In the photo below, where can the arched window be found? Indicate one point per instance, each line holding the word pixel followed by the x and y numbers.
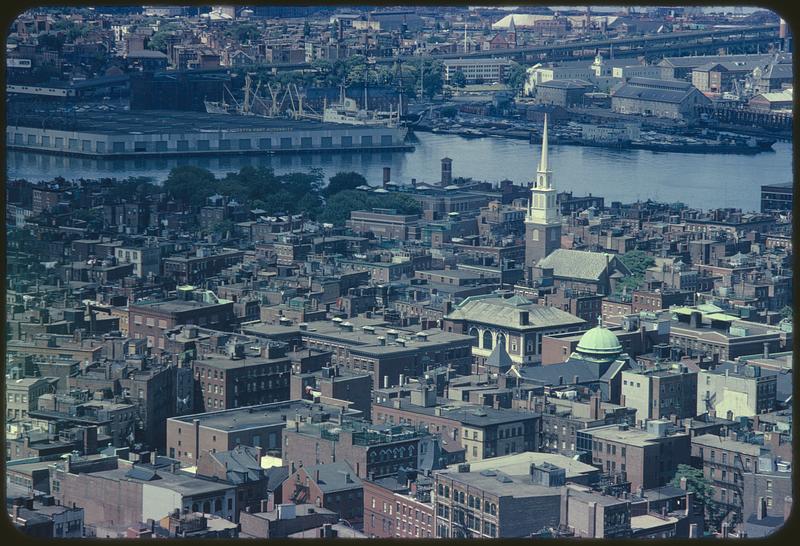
pixel 207 507
pixel 473 332
pixel 501 340
pixel 218 505
pixel 195 508
pixel 487 340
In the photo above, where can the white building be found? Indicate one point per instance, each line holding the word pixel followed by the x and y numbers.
pixel 145 260
pixel 478 70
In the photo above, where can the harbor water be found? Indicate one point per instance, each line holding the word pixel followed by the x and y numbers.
pixel 699 180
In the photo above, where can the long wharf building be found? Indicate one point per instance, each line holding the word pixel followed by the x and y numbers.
pixel 169 133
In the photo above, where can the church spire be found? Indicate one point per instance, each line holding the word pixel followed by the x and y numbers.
pixel 543 166
pixel 542 208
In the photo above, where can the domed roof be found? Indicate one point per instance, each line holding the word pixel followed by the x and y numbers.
pixel 599 341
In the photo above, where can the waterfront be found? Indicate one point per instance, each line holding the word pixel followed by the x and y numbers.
pixel 701 180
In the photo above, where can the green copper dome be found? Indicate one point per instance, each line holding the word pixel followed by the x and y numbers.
pixel 599 341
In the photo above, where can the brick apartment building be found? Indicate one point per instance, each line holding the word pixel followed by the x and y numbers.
pixel 151 321
pixel 333 382
pixel 255 426
pixel 725 462
pixel 366 345
pixel 660 392
pixel 242 378
pixel 483 432
pixel 507 497
pixel 646 458
pixel 334 486
pixel 372 451
pixel 398 507
pixel 563 418
pixel 194 269
pixel 385 224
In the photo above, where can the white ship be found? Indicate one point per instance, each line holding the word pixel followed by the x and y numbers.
pixel 346 111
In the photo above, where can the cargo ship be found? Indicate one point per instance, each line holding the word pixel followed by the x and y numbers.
pixel 288 104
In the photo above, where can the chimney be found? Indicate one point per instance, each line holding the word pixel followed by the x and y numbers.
pixel 689 504
pixel 695 320
pixel 766 349
pixel 693 533
pixel 316 476
pixel 594 406
pixel 385 381
pixel 414 183
pixel 592 527
pixel 402 380
pixel 448 307
pixel 387 175
pixel 683 483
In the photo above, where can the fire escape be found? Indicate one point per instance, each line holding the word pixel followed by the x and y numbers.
pixel 300 495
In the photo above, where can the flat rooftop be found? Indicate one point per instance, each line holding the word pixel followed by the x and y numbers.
pixel 226 363
pixel 468 414
pixel 719 442
pixel 179 482
pixel 261 415
pixel 510 475
pixel 519 464
pixel 158 122
pixel 176 306
pixel 633 436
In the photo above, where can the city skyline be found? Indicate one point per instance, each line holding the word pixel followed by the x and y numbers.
pixel 407 272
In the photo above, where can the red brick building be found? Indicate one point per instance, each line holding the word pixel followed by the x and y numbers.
pixel 398 508
pixel 334 486
pixel 370 450
pixel 646 458
pixel 150 321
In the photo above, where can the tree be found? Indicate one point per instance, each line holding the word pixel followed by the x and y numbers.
pixel 459 79
pixel 787 312
pixel 637 261
pixel 51 41
pixel 190 185
pixel 344 181
pixel 243 32
pixel 158 41
pixel 338 208
pixel 703 491
pixel 516 78
pixel 432 79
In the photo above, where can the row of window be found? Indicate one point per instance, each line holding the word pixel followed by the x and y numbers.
pixel 149 321
pixel 462 498
pixel 85 145
pixel 611 449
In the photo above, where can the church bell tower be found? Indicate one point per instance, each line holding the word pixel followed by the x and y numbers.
pixel 543 219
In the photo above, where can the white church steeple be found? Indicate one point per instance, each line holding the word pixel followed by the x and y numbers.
pixel 542 208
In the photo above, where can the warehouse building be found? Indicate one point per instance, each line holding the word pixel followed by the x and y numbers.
pixel 658 98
